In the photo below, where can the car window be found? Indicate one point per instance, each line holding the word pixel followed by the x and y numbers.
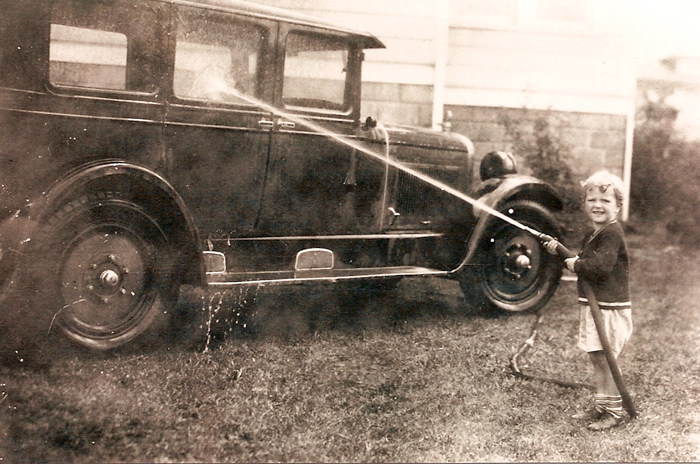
pixel 90 46
pixel 315 71
pixel 217 57
pixel 87 58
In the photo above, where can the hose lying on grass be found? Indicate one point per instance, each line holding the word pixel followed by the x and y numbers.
pixel 525 347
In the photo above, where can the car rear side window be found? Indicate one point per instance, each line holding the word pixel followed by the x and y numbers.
pixel 315 70
pixel 96 45
pixel 87 58
pixel 217 57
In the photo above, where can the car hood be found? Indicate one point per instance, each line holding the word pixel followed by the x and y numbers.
pixel 428 138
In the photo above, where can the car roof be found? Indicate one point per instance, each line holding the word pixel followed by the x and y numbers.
pixel 279 14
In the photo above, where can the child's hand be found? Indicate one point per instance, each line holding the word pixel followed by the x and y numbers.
pixel 551 246
pixel 570 263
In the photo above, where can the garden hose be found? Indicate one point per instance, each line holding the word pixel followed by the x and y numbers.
pixel 478 205
pixel 525 347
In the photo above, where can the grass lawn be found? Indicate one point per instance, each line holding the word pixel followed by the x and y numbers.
pixel 410 377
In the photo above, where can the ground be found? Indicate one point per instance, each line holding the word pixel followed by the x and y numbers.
pixel 411 376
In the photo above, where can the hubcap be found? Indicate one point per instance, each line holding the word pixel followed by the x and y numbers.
pixel 103 281
pixel 109 278
pixel 513 272
pixel 518 260
pixel 523 261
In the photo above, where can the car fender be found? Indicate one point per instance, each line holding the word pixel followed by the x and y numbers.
pixel 133 180
pixel 495 193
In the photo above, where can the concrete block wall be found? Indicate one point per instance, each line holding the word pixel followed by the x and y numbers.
pixel 595 141
pixel 398 103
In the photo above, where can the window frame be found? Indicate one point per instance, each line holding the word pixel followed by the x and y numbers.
pixel 138 46
pixel 353 74
pixel 260 76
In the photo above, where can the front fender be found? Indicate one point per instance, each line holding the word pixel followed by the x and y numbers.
pixel 496 192
pixel 518 187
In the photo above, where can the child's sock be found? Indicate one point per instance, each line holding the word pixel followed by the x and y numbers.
pixel 599 401
pixel 609 404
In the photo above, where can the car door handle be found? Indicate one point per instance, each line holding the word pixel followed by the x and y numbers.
pixel 395 215
pixel 266 123
pixel 286 125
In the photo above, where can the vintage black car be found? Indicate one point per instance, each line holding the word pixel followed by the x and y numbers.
pixel 149 144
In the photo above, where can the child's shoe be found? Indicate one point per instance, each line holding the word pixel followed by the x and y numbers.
pixel 607 422
pixel 592 414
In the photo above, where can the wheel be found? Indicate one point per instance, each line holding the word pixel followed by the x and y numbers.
pixel 107 271
pixel 514 272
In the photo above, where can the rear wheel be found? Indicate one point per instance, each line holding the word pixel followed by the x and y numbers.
pixel 107 272
pixel 514 272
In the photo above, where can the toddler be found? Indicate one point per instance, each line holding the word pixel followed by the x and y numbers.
pixel 604 263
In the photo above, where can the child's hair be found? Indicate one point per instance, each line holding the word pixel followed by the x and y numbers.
pixel 603 180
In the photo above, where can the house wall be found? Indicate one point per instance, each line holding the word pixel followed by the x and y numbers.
pixel 676 81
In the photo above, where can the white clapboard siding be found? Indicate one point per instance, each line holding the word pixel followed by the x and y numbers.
pixel 496 61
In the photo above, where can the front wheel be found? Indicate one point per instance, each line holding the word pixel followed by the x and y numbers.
pixel 109 273
pixel 513 271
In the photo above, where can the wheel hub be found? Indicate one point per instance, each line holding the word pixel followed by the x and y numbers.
pixel 518 260
pixel 106 278
pixel 523 261
pixel 103 281
pixel 109 278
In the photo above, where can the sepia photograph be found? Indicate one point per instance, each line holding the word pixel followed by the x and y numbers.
pixel 369 231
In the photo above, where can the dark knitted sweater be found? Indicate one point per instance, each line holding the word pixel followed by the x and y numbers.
pixel 604 263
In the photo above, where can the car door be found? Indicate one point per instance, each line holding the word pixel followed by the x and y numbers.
pixel 319 185
pixel 103 98
pixel 216 143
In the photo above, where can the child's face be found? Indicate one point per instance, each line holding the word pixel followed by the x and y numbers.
pixel 601 207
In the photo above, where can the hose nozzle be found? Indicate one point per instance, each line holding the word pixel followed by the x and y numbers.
pixel 561 249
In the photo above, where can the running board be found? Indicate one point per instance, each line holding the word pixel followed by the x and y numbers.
pixel 231 279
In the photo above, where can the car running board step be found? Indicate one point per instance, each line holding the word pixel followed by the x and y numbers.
pixel 230 279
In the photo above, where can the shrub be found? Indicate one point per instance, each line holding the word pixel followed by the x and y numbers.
pixel 546 155
pixel 681 191
pixel 665 173
pixel 652 141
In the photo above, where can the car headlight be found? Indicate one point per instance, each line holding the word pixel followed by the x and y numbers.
pixel 497 164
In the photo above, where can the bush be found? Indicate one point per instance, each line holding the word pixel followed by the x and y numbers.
pixel 681 191
pixel 547 156
pixel 665 173
pixel 652 140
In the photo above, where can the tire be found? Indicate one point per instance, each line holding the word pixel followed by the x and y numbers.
pixel 514 272
pixel 107 272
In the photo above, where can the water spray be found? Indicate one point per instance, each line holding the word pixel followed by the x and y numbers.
pixel 477 205
pixel 352 143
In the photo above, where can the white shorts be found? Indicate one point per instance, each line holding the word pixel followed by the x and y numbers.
pixel 618 327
